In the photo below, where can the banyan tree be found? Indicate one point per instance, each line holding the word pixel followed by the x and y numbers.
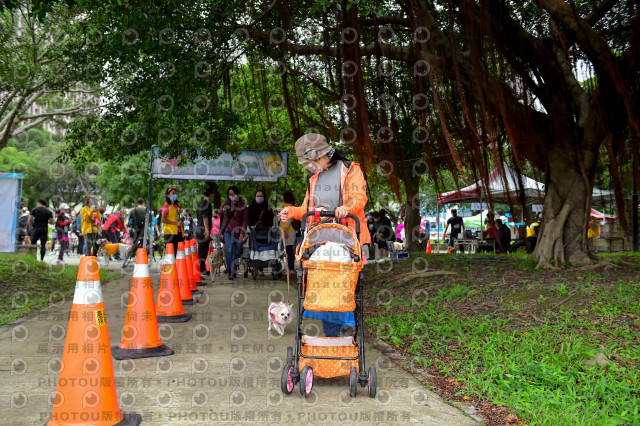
pixel 547 84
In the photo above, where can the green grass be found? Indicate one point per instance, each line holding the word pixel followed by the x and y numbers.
pixel 27 285
pixel 535 368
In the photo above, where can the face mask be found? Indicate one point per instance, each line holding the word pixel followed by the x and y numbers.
pixel 233 197
pixel 314 169
pixel 173 197
pixel 259 200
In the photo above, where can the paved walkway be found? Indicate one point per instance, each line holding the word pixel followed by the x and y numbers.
pixel 226 369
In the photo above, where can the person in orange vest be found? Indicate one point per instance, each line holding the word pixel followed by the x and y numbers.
pixel 329 169
pixel 334 184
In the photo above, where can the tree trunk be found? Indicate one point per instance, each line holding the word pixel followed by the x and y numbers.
pixel 567 207
pixel 412 216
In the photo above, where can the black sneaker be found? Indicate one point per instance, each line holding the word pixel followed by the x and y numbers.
pixel 231 276
pixel 205 273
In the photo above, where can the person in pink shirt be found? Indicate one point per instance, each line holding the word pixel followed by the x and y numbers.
pixel 399 229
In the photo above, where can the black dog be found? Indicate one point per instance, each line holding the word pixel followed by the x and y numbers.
pixel 158 248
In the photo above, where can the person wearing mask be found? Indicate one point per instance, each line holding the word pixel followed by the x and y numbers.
pixel 504 235
pixel 289 228
pixel 39 221
pixel 187 224
pixel 457 227
pixel 260 214
pixel 235 217
pixel 171 222
pixel 110 229
pixel 334 184
pixel 62 231
pixel 204 214
pixel 91 224
pixel 383 232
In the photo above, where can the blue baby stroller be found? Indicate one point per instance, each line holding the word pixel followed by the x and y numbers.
pixel 264 251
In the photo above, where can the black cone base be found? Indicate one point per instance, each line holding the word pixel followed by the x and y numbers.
pixel 174 318
pixel 131 419
pixel 202 283
pixel 196 292
pixel 119 353
pixel 187 301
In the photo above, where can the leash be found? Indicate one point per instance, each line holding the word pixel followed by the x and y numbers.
pixel 286 258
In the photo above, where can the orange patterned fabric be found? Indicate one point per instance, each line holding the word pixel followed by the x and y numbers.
pixel 328 368
pixel 330 286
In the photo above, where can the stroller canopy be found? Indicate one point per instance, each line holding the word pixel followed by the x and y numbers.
pixel 331 232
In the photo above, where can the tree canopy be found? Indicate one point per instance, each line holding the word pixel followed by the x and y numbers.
pixel 407 87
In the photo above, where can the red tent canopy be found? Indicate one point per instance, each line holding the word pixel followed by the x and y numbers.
pixel 601 217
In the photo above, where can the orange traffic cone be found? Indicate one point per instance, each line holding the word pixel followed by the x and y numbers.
pixel 429 250
pixel 140 335
pixel 188 248
pixel 86 392
pixel 183 276
pixel 169 305
pixel 196 264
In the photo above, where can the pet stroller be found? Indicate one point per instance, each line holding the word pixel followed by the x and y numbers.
pixel 264 251
pixel 329 286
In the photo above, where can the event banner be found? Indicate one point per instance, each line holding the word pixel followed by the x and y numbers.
pixel 259 166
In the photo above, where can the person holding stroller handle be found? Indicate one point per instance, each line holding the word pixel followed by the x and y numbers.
pixel 335 184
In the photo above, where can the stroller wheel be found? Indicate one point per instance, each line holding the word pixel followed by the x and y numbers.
pixel 306 381
pixel 289 355
pixel 353 382
pixel 372 382
pixel 286 382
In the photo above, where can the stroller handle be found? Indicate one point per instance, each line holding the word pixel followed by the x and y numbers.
pixel 326 213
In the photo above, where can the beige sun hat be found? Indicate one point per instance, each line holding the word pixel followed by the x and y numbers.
pixel 311 146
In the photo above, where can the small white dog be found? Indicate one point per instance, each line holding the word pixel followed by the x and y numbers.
pixel 279 315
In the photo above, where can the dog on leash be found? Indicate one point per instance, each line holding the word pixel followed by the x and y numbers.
pixel 107 248
pixel 279 315
pixel 215 259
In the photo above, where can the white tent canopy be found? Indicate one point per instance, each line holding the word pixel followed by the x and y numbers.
pixel 506 190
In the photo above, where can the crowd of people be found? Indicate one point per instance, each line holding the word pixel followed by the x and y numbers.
pixel 495 232
pixel 80 231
